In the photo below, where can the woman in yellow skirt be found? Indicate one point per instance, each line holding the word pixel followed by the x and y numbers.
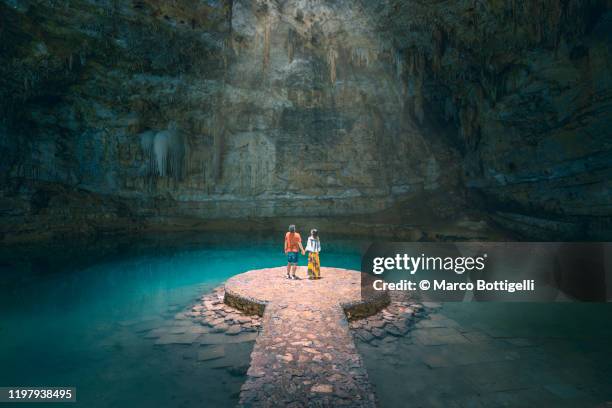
pixel 314 247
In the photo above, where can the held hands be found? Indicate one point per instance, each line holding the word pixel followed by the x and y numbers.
pixel 303 252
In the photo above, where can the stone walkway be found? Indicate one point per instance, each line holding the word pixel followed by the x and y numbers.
pixel 305 355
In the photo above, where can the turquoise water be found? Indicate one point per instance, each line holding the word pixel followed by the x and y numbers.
pixel 77 315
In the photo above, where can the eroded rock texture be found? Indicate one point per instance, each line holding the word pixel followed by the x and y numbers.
pixel 124 114
pixel 526 85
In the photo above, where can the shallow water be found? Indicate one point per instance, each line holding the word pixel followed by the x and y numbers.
pixel 78 315
pixel 498 354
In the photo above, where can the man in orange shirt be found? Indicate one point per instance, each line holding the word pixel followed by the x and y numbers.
pixel 293 244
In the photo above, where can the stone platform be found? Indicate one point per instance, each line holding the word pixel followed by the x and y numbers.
pixel 305 355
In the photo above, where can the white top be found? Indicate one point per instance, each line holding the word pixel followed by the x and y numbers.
pixel 313 245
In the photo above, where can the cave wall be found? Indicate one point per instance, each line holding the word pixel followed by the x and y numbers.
pixel 526 87
pixel 120 112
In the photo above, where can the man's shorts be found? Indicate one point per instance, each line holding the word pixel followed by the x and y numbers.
pixel 292 257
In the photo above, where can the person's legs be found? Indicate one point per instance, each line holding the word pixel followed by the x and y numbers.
pixel 294 269
pixel 310 266
pixel 316 266
pixel 292 259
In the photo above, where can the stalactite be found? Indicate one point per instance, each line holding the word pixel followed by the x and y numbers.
pixel 360 56
pixel 468 118
pixel 400 62
pixel 218 149
pixel 165 152
pixel 146 143
pixel 554 21
pixel 176 152
pixel 537 25
pixel 419 112
pixel 416 73
pixel 226 49
pixel 230 15
pixel 412 64
pixel 160 150
pixel 439 45
pixel 332 56
pixel 291 43
pixel 399 65
pixel 266 47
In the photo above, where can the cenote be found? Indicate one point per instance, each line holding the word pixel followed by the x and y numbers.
pixel 81 315
pixel 78 315
pixel 152 150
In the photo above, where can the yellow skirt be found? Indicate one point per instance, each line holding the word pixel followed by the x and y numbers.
pixel 314 266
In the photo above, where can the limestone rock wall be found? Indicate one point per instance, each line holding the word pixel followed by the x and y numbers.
pixel 526 88
pixel 157 110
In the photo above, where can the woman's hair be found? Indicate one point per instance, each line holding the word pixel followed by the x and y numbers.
pixel 292 228
pixel 315 233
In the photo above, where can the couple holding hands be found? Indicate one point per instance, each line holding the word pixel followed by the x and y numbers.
pixel 293 244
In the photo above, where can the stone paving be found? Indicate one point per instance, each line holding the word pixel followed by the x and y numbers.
pixel 391 323
pixel 305 354
pixel 221 318
pixel 208 325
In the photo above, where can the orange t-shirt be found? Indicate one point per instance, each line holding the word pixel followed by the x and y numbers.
pixel 292 241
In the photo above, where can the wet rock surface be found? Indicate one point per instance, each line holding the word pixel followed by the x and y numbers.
pixel 209 112
pixel 208 325
pixel 218 317
pixel 392 322
pixel 123 116
pixel 522 84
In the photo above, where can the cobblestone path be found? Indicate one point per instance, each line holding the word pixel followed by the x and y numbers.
pixel 305 355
